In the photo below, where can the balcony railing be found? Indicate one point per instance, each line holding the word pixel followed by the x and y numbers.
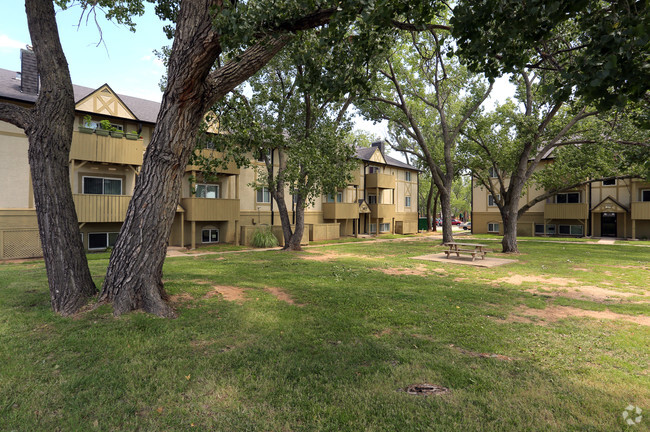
pixel 210 209
pixel 340 211
pixel 382 211
pixel 641 210
pixel 381 181
pixel 95 148
pixel 566 211
pixel 101 208
pixel 213 154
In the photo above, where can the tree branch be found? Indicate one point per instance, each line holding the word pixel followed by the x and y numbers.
pixel 16 115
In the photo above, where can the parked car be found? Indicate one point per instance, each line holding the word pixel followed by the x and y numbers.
pixel 438 222
pixel 455 222
pixel 466 225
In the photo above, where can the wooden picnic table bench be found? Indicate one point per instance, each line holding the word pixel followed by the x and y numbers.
pixel 472 249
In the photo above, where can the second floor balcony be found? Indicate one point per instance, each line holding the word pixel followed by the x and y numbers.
pixel 95 148
pixel 210 209
pixel 382 211
pixel 101 208
pixel 231 168
pixel 566 211
pixel 381 181
pixel 340 210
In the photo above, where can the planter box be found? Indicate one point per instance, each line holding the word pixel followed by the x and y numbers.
pixel 131 136
pixel 86 130
pixel 102 132
pixel 117 134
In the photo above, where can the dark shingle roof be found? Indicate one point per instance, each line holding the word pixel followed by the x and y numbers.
pixel 365 153
pixel 144 110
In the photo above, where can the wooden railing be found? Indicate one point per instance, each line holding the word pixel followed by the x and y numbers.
pixel 566 211
pixel 382 211
pixel 101 208
pixel 641 210
pixel 340 210
pixel 210 209
pixel 381 181
pixel 231 168
pixel 95 148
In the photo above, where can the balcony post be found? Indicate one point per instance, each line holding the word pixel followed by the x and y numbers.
pixel 633 229
pixel 183 229
pixel 193 235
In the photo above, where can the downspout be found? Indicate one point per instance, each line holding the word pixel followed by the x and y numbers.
pixel 471 206
pixel 272 214
pixel 417 174
pixel 589 233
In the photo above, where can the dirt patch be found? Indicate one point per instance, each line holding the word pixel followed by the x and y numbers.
pixel 480 355
pixel 330 255
pixel 580 269
pixel 384 332
pixel 283 296
pixel 460 279
pixel 592 293
pixel 229 293
pixel 519 279
pixel 551 314
pixel 425 389
pixel 180 298
pixel 419 270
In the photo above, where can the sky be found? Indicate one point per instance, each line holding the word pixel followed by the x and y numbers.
pixel 124 60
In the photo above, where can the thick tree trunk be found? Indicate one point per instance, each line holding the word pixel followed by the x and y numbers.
pixel 296 238
pixel 435 210
pixel 50 138
pixel 430 223
pixel 509 241
pixel 134 276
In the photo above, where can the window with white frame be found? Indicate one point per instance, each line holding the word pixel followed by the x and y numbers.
pixel 577 230
pixel 550 229
pixel 564 229
pixel 492 172
pixel 207 191
pixel 407 176
pixel 407 201
pixel 539 228
pixel 338 198
pixel 645 195
pixel 493 227
pixel 384 227
pixel 102 186
pixel 611 182
pixel 373 228
pixel 101 240
pixel 374 169
pixel 263 195
pixel 492 202
pixel 568 198
pixel 210 235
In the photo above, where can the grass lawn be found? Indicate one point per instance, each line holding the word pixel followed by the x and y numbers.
pixel 328 339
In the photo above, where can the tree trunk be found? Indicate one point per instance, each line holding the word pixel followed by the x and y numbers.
pixel 509 241
pixel 435 211
pixel 134 276
pixel 50 138
pixel 298 231
pixel 445 203
pixel 430 225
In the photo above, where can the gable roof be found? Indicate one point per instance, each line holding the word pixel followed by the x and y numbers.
pixel 609 204
pixel 143 109
pixel 365 154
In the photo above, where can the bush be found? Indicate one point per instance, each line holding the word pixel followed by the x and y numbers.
pixel 263 238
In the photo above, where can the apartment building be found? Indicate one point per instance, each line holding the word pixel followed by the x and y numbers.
pixel 104 167
pixel 615 208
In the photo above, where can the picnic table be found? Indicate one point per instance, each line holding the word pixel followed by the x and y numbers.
pixel 472 249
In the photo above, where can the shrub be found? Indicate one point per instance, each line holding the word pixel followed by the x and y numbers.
pixel 263 238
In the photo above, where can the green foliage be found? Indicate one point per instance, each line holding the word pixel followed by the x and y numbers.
pixel 598 50
pixel 88 121
pixel 263 237
pixel 106 125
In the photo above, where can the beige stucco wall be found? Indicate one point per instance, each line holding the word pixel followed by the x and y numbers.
pixel 14 168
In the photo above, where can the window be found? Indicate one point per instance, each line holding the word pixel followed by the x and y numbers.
pixel 407 202
pixel 568 198
pixel 339 197
pixel 492 172
pixel 207 191
pixel 611 182
pixel 263 195
pixel 493 227
pixel 491 201
pixel 210 236
pixel 550 229
pixel 564 229
pixel 539 228
pixel 645 195
pixel 576 230
pixel 407 176
pixel 384 227
pixel 374 169
pixel 101 240
pixel 373 228
pixel 372 199
pixel 102 186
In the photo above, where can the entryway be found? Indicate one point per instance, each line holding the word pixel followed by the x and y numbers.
pixel 608 224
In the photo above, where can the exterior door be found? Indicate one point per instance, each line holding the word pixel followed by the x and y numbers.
pixel 608 224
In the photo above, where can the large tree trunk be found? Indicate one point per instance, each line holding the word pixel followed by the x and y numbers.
pixel 445 203
pixel 430 222
pixel 509 241
pixel 134 276
pixel 298 231
pixel 50 138
pixel 435 210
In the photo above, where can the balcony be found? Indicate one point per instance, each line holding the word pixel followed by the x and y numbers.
pixel 566 211
pixel 641 210
pixel 101 208
pixel 213 154
pixel 95 148
pixel 340 211
pixel 382 211
pixel 381 181
pixel 210 209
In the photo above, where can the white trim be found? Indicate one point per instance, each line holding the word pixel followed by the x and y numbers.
pixel 210 231
pixel 83 184
pixel 108 239
pixel 493 227
pixel 641 196
pixel 265 192
pixel 206 185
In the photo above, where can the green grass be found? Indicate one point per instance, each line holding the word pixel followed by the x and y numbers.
pixel 337 362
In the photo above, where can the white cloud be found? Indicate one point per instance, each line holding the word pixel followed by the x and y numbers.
pixel 8 44
pixel 153 60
